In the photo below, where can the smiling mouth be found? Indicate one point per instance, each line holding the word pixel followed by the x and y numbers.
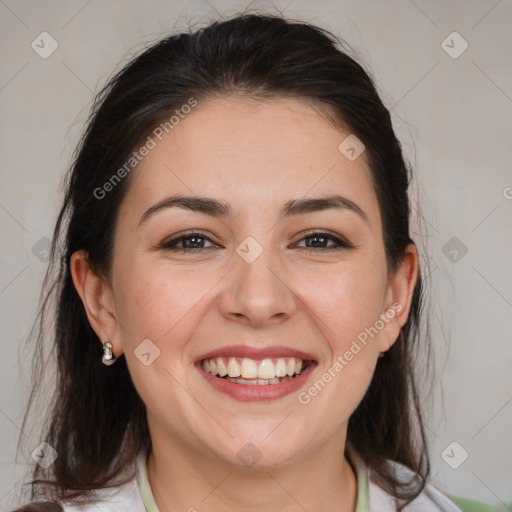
pixel 254 372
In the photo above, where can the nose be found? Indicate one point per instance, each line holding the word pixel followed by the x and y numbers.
pixel 258 293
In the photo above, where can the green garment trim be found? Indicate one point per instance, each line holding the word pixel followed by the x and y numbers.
pixel 142 480
pixel 468 505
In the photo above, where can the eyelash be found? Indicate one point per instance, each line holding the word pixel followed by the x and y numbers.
pixel 339 242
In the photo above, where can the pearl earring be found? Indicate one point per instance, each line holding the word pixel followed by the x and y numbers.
pixel 108 355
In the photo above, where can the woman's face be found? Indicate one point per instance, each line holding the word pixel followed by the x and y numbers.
pixel 265 281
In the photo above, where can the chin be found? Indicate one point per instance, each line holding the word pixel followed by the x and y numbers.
pixel 258 452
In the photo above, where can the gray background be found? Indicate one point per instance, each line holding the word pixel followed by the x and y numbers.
pixel 452 114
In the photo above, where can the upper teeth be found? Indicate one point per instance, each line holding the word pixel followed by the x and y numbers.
pixel 253 369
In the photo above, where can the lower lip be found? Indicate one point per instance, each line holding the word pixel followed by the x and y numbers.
pixel 252 393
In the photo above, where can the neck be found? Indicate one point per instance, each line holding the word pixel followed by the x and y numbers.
pixel 185 478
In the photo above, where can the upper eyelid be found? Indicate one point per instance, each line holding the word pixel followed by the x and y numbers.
pixel 321 234
pixel 187 234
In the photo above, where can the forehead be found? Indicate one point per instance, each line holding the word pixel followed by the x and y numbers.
pixel 253 154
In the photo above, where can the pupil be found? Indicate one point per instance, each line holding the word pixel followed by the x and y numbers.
pixel 191 241
pixel 321 238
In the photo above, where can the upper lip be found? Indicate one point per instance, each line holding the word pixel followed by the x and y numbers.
pixel 256 352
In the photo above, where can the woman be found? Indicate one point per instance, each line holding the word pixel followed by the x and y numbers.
pixel 235 238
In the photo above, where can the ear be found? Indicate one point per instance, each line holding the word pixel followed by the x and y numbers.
pixel 399 298
pixel 97 298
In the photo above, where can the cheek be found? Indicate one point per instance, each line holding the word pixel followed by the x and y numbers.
pixel 162 303
pixel 345 300
pixel 348 305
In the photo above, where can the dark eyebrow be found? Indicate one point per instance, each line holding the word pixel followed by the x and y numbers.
pixel 316 204
pixel 219 209
pixel 198 204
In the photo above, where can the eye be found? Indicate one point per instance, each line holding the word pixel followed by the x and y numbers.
pixel 319 241
pixel 189 242
pixel 315 241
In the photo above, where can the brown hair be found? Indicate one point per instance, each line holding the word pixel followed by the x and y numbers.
pixel 97 421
